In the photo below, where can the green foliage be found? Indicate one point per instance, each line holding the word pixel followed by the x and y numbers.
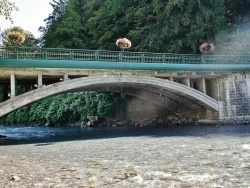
pixel 65 109
pixel 176 26
pixel 64 28
pixel 30 40
pixel 19 116
pixel 52 22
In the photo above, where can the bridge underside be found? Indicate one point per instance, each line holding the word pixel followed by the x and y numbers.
pixel 146 101
pixel 162 92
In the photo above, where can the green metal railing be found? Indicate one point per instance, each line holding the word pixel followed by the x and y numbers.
pixel 118 56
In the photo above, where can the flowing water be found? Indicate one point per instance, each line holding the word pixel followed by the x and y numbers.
pixel 171 157
pixel 22 134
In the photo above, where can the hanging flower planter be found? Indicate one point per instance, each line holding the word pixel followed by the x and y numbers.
pixel 206 48
pixel 123 43
pixel 16 37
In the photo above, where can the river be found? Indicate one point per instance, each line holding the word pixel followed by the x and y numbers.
pixel 22 134
pixel 174 157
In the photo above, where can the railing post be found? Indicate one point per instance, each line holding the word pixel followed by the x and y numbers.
pixel 120 55
pixel 142 58
pixel 71 55
pixel 220 59
pixel 16 52
pixel 97 56
pixel 202 59
pixel 183 58
pixel 44 54
pixel 163 58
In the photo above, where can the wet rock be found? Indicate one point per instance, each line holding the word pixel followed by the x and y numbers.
pixel 38 185
pixel 2 136
pixel 130 174
pixel 208 163
pixel 89 124
pixel 15 178
pixel 245 165
pixel 201 178
pixel 158 175
pixel 138 179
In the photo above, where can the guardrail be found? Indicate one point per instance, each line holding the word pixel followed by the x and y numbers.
pixel 118 56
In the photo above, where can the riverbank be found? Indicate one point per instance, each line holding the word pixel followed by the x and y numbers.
pixel 212 160
pixel 151 122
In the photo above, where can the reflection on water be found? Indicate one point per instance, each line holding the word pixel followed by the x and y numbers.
pixel 24 135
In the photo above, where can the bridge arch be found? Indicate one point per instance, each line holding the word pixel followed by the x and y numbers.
pixel 93 81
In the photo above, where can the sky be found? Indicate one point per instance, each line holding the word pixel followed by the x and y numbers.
pixel 30 16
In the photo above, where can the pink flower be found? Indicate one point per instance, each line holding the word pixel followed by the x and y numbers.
pixel 206 48
pixel 123 43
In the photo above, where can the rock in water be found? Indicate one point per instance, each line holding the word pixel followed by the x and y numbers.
pixel 3 136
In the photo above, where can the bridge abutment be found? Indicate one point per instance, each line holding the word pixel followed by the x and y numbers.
pixel 234 97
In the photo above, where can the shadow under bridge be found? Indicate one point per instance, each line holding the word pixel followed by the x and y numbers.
pixel 115 83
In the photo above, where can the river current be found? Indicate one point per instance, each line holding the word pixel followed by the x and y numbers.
pixel 125 157
pixel 22 134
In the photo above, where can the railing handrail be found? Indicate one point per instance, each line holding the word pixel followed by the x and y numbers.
pixel 118 56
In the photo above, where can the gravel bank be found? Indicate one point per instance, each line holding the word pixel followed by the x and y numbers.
pixel 174 162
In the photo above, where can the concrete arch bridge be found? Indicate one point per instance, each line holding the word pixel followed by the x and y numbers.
pixel 214 87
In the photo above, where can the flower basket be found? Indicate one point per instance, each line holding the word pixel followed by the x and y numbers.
pixel 16 37
pixel 123 43
pixel 206 48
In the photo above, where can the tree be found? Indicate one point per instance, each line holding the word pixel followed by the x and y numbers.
pixel 106 21
pixel 6 9
pixel 64 28
pixel 237 12
pixel 31 40
pixel 52 22
pixel 175 26
pixel 65 108
pixel 67 31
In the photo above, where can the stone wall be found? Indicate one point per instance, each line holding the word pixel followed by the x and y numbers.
pixel 138 109
pixel 234 97
pixel 141 112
